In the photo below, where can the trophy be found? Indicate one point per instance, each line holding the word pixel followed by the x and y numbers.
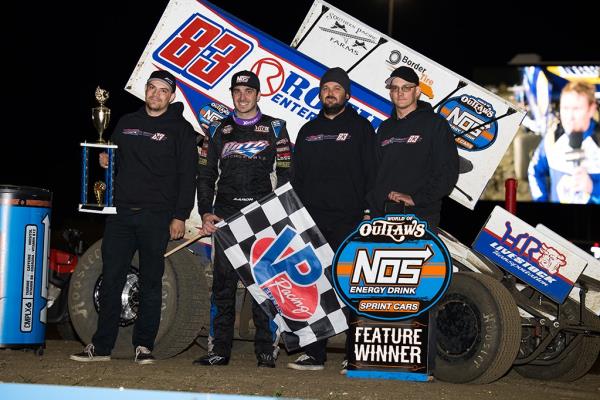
pixel 99 198
pixel 99 189
pixel 101 114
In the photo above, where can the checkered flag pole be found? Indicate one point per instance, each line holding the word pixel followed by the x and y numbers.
pixel 284 261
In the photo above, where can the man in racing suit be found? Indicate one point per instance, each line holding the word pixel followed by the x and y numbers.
pixel 570 154
pixel 248 154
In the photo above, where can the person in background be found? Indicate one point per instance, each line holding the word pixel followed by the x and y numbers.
pixel 565 167
pixel 154 194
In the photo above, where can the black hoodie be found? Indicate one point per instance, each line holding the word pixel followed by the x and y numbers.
pixel 332 167
pixel 156 162
pixel 416 155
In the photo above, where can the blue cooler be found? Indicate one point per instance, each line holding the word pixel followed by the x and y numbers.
pixel 24 247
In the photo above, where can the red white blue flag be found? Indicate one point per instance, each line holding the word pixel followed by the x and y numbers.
pixel 285 263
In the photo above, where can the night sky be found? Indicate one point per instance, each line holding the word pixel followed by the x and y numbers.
pixel 54 62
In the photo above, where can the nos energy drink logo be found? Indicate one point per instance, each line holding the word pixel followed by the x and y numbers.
pixel 472 121
pixel 286 274
pixel 392 268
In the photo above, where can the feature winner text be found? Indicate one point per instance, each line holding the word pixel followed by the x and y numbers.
pixel 388 345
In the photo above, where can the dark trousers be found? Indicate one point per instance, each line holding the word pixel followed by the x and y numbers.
pixel 125 233
pixel 334 233
pixel 224 289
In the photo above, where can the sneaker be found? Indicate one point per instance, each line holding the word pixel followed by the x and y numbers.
pixel 266 360
pixel 344 369
pixel 143 356
pixel 211 359
pixel 89 355
pixel 306 363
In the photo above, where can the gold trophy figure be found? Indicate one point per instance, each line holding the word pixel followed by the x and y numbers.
pixel 99 189
pixel 101 114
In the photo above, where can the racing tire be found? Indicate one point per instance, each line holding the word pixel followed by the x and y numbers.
pixel 184 310
pixel 578 361
pixel 477 330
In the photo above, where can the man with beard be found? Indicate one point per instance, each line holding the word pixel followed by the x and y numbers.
pixel 331 173
pixel 154 195
pixel 243 158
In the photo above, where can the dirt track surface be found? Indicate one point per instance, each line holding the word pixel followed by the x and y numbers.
pixel 242 376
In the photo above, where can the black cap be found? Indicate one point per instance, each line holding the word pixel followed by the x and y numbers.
pixel 166 77
pixel 336 75
pixel 245 78
pixel 406 73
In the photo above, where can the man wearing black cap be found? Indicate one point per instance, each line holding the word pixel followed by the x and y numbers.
pixel 248 154
pixel 332 171
pixel 417 160
pixel 154 194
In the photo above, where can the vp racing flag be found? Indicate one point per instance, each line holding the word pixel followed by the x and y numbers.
pixel 284 261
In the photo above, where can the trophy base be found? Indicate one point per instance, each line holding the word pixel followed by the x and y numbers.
pixel 105 145
pixel 96 209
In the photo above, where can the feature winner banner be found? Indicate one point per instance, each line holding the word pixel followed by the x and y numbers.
pixel 483 123
pixel 283 259
pixel 390 271
pixel 390 350
pixel 204 46
pixel 530 255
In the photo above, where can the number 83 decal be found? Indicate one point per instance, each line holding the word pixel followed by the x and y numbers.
pixel 203 51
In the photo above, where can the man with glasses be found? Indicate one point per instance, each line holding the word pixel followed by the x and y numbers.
pixel 416 157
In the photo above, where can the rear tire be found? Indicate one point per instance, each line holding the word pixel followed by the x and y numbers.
pixel 478 330
pixel 184 311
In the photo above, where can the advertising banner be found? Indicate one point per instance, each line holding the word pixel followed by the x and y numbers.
pixel 392 268
pixel 483 123
pixel 396 350
pixel 204 46
pixel 528 254
pixel 390 271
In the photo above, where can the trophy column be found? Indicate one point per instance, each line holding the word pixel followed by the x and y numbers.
pixel 99 198
pixel 101 192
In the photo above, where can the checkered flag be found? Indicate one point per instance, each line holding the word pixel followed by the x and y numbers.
pixel 285 262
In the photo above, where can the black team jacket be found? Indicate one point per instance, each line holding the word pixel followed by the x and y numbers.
pixel 156 162
pixel 415 155
pixel 333 166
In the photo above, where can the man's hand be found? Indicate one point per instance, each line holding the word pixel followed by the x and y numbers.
pixel 208 224
pixel 103 160
pixel 582 181
pixel 398 197
pixel 177 228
